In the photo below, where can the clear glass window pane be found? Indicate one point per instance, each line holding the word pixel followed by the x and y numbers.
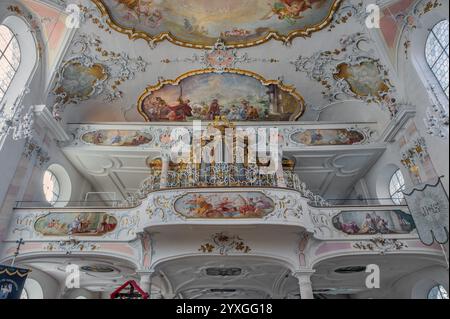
pixel 51 187
pixel 12 54
pixel 437 54
pixel 5 37
pixel 434 50
pixel 396 186
pixel 441 32
pixel 438 292
pixel 6 74
pixel 9 58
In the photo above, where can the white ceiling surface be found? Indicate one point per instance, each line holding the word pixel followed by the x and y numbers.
pixel 328 171
pixel 56 267
pixel 260 277
pixel 96 110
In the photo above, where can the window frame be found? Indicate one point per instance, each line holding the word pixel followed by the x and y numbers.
pixel 54 179
pixel 398 190
pixel 432 33
pixel 2 54
pixel 440 293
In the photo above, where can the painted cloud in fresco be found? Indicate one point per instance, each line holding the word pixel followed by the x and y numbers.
pixel 200 23
pixel 116 138
pixel 224 205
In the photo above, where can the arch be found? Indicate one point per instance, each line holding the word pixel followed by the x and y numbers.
pixel 428 278
pixel 189 273
pixel 33 289
pixel 28 64
pixel 436 53
pixel 10 57
pixel 282 261
pixel 383 179
pixel 396 187
pixel 418 40
pixel 65 184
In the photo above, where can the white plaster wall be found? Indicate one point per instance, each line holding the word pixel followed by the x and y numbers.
pixel 50 286
pixel 412 286
pixel 81 293
pixel 414 73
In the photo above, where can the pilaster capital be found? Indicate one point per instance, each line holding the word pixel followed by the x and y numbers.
pixel 145 272
pixel 303 274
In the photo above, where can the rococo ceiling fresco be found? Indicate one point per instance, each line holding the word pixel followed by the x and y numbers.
pixel 199 23
pixel 237 95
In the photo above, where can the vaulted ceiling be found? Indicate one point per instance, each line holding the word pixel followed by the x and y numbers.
pixel 322 53
pixel 142 60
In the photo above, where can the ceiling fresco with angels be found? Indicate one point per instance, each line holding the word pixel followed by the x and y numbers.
pixel 199 23
pixel 109 76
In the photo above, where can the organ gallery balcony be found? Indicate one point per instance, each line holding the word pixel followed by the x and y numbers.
pixel 186 176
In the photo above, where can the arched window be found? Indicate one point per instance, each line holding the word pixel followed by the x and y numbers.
pixel 9 58
pixel 436 53
pixel 24 294
pixel 51 187
pixel 396 186
pixel 438 292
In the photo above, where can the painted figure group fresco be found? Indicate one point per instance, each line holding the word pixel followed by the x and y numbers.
pixel 224 205
pixel 206 96
pixel 116 138
pixel 79 224
pixel 374 222
pixel 315 137
pixel 202 22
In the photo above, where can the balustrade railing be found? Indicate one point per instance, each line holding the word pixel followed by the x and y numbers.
pixel 222 175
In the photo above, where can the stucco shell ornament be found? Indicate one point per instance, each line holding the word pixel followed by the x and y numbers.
pixel 199 23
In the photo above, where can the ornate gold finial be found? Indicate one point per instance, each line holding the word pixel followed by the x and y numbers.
pixel 221 122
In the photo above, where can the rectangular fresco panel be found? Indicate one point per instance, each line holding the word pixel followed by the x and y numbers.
pixel 374 222
pixel 79 224
pixel 316 137
pixel 116 138
pixel 224 205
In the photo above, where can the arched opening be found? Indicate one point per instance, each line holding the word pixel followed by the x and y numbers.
pixel 10 56
pixel 56 186
pixel 437 54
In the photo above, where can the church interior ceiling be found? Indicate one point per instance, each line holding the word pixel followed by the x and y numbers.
pixel 122 48
pixel 199 24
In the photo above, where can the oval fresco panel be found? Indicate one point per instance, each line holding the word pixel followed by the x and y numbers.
pixel 224 205
pixel 116 138
pixel 78 224
pixel 236 95
pixel 315 137
pixel 78 81
pixel 199 23
pixel 364 79
pixel 374 222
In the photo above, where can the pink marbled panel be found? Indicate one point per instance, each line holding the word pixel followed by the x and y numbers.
pixel 419 244
pixel 117 247
pixel 389 27
pixel 329 247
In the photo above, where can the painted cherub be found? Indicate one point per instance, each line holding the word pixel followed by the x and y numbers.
pixel 292 9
